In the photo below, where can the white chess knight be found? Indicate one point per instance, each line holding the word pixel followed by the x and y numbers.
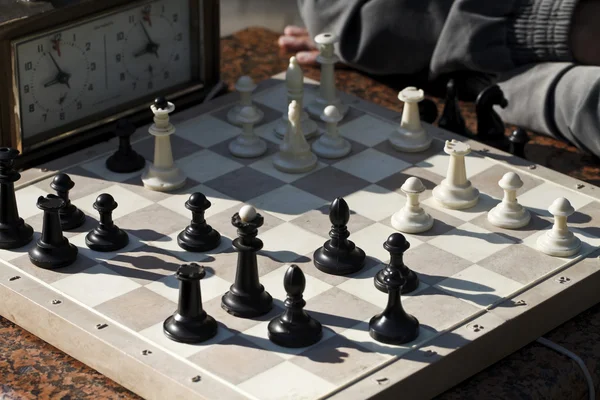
pixel 163 175
pixel 412 218
pixel 245 86
pixel 294 81
pixel 559 241
pixel 410 136
pixel 331 144
pixel 248 144
pixel 294 154
pixel 456 192
pixel 509 214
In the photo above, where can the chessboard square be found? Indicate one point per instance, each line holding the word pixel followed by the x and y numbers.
pixel 211 286
pixel 222 149
pixel 84 285
pixel 23 251
pixel 86 182
pixel 128 202
pixel 371 240
pixel 371 165
pixel 330 183
pixel 137 186
pixel 233 323
pixel 471 242
pixel 586 218
pixel 436 147
pixel 180 148
pixel 244 184
pixel 395 181
pixel 433 264
pixel 222 222
pixel 487 181
pixel 438 164
pixel 317 221
pixel 535 225
pixel 355 148
pixel 265 165
pixel 442 224
pixel 223 359
pixel 206 165
pixel 273 283
pixel 206 131
pixel 367 130
pixel 169 243
pixel 37 223
pixel 287 202
pixel 269 114
pixel 98 167
pixel 99 256
pixel 152 222
pixel 541 197
pixel 219 201
pixel 138 309
pixel 276 98
pixel 589 243
pixel 308 266
pixel 375 202
pixel 479 286
pixel 267 132
pixel 287 381
pixel 484 204
pixel 338 359
pixel 288 242
pixel 224 264
pixel 27 200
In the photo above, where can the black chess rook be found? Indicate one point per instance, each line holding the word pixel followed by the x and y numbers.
pixel 198 236
pixel 70 216
pixel 106 236
pixel 396 245
pixel 125 159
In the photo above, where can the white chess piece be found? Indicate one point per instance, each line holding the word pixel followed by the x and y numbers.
pixel 245 86
pixel 163 175
pixel 410 136
pixel 294 81
pixel 456 192
pixel 331 144
pixel 412 218
pixel 509 214
pixel 294 155
pixel 248 144
pixel 559 241
pixel 327 91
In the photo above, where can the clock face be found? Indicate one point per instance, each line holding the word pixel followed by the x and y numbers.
pixel 81 70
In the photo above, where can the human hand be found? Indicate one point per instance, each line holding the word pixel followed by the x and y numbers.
pixel 585 32
pixel 297 39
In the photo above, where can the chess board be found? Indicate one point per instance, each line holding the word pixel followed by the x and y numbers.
pixel 484 291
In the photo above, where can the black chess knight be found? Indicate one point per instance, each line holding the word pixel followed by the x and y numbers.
pixel 490 127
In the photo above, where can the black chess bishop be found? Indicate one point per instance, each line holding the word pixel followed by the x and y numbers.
pixel 70 216
pixel 125 159
pixel 198 236
pixel 106 236
pixel 396 245
pixel 452 119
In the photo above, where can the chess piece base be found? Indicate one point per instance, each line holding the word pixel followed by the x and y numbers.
pixel 308 126
pixel 47 257
pixel 549 243
pixel 411 284
pixel 71 218
pixel 504 217
pixel 125 163
pixel 456 198
pixel 329 148
pixel 198 243
pixel 396 330
pixel 244 148
pixel 292 335
pixel 13 237
pixel 339 262
pixel 245 306
pixel 316 107
pixel 410 142
pixel 410 222
pixel 163 180
pixel 293 164
pixel 187 330
pixel 99 240
pixel 234 112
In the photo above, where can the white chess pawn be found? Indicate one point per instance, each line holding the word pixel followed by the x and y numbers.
pixel 456 192
pixel 559 241
pixel 294 155
pixel 248 144
pixel 294 81
pixel 410 136
pixel 163 175
pixel 331 144
pixel 509 214
pixel 327 91
pixel 245 86
pixel 412 218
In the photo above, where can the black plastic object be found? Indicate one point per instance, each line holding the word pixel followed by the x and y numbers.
pixel 106 236
pixel 396 245
pixel 198 236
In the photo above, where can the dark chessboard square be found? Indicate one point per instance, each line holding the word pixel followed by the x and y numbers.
pixel 152 222
pixel 442 224
pixel 317 221
pixel 145 264
pixel 535 225
pixel 270 114
pixel 429 179
pixel 244 184
pixel 224 264
pixel 235 324
pixel 37 221
pixel 487 181
pixel 355 148
pixel 136 185
pixel 222 148
pixel 180 147
pixel 433 264
pixel 436 147
pixel 329 183
pixel 86 183
pixel 52 275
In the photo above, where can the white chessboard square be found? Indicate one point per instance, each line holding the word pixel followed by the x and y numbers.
pixel 471 242
pixel 273 283
pixel 27 201
pixel 128 202
pixel 589 243
pixel 267 132
pixel 371 165
pixel 219 202
pixel 375 202
pixel 479 286
pixel 276 97
pixel 98 167
pixel 367 130
pixel 79 241
pixel 438 164
pixel 371 240
pixel 541 197
pixel 84 285
pixel 287 202
pixel 212 286
pixel 287 381
pixel 288 242
pixel 265 165
pixel 484 204
pixel 206 165
pixel 206 130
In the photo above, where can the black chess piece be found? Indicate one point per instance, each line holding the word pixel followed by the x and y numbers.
pixel 518 139
pixel 106 236
pixel 70 216
pixel 247 298
pixel 452 119
pixel 198 236
pixel 52 249
pixel 125 159
pixel 396 245
pixel 190 323
pixel 294 328
pixel 339 256
pixel 14 232
pixel 490 127
pixel 394 325
pixel 428 110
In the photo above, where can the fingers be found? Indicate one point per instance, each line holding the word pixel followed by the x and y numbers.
pixel 307 57
pixel 292 30
pixel 296 43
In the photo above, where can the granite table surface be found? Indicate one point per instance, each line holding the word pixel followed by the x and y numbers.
pixel 32 369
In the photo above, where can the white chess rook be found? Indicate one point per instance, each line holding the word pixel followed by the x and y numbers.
pixel 294 154
pixel 327 90
pixel 559 241
pixel 244 86
pixel 294 81
pixel 410 136
pixel 509 214
pixel 163 175
pixel 331 145
pixel 412 218
pixel 456 192
pixel 248 144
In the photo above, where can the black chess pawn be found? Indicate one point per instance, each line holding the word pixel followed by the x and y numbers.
pixel 452 119
pixel 339 256
pixel 70 216
pixel 198 236
pixel 247 298
pixel 294 328
pixel 190 323
pixel 396 245
pixel 125 159
pixel 490 127
pixel 52 249
pixel 14 232
pixel 106 236
pixel 394 325
pixel 428 111
pixel 518 139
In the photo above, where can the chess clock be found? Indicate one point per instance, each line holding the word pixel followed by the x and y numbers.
pixel 70 68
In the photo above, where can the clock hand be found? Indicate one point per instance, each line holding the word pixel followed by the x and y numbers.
pixel 62 98
pixel 152 46
pixel 146 33
pixel 141 52
pixel 62 77
pixel 52 82
pixel 60 71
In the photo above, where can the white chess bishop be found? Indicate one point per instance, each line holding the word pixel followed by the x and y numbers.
pixel 244 86
pixel 248 144
pixel 294 154
pixel 331 145
pixel 410 136
pixel 412 218
pixel 509 214
pixel 456 192
pixel 559 241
